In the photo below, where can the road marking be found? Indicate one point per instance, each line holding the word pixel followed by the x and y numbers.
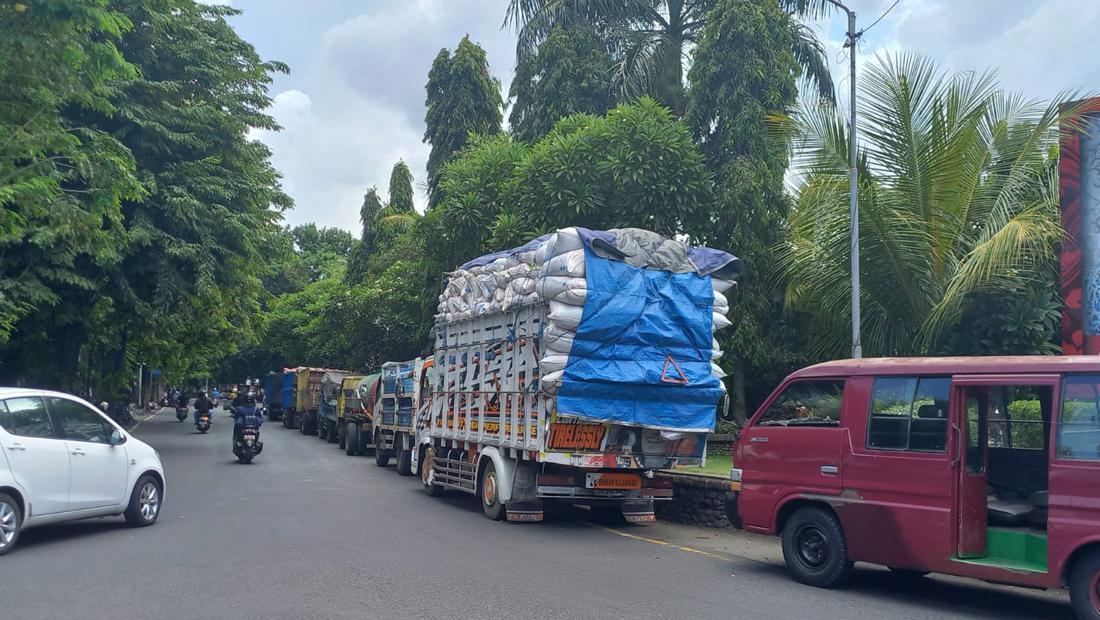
pixel 663 543
pixel 143 420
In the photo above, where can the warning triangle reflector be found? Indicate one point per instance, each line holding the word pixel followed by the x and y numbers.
pixel 679 376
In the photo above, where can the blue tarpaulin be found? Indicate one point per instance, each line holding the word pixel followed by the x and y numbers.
pixel 642 351
pixel 290 379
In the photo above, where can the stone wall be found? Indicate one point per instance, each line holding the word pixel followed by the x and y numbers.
pixel 698 500
pixel 721 443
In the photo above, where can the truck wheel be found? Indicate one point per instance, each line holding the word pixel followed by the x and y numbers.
pixel 341 438
pixel 381 457
pixel 364 440
pixel 351 440
pixel 1084 586
pixel 489 490
pixel 814 548
pixel 284 421
pixel 331 435
pixel 427 459
pixel 322 430
pixel 404 462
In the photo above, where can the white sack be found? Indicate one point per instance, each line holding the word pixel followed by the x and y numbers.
pixel 566 316
pixel 557 339
pixel 568 264
pixel 553 363
pixel 524 285
pixel 720 321
pixel 721 304
pixel 716 370
pixel 720 285
pixel 552 286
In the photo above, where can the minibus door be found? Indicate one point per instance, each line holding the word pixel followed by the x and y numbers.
pixel 973 477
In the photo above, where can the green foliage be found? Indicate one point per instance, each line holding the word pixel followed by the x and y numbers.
pixel 637 166
pixel 172 91
pixel 361 253
pixel 401 188
pixel 1015 322
pixel 958 199
pixel 743 77
pixel 463 99
pixel 60 182
pixel 570 73
pixel 652 38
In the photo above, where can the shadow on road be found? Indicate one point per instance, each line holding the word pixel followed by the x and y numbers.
pixel 63 532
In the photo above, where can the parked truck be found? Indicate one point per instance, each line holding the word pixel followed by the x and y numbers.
pixel 327 404
pixel 571 369
pixel 273 398
pixel 355 414
pixel 398 400
pixel 288 395
pixel 307 394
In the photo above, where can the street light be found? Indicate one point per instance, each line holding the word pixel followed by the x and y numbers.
pixel 853 176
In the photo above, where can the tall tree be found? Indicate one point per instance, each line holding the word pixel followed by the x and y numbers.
pixel 958 200
pixel 745 74
pixel 569 73
pixel 60 182
pixel 654 37
pixel 361 253
pixel 401 188
pixel 463 99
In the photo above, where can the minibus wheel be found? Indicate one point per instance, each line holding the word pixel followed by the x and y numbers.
pixel 1084 586
pixel 814 548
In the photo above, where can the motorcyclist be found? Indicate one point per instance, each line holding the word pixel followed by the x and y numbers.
pixel 247 407
pixel 181 400
pixel 203 404
pixel 215 394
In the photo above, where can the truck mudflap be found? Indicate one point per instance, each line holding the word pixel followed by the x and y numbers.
pixel 524 503
pixel 639 511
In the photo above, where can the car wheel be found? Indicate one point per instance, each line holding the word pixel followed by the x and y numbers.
pixel 351 440
pixel 145 501
pixel 381 457
pixel 11 520
pixel 426 461
pixel 489 489
pixel 814 548
pixel 1084 587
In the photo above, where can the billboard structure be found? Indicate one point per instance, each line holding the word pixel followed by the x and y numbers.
pixel 1079 181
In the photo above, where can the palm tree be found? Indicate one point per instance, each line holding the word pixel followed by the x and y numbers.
pixel 958 196
pixel 653 39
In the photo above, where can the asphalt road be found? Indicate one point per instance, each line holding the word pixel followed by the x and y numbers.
pixel 306 531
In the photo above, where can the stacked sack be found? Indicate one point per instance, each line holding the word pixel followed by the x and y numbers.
pixel 551 270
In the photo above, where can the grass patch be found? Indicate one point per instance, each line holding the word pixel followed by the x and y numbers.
pixel 717 465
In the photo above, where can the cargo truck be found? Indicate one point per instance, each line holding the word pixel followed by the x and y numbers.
pixel 589 372
pixel 273 398
pixel 331 383
pixel 288 395
pixel 307 394
pixel 356 414
pixel 398 400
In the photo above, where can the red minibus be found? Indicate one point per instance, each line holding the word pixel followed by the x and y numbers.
pixel 984 467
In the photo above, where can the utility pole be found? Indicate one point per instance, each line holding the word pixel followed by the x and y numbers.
pixel 853 176
pixel 140 394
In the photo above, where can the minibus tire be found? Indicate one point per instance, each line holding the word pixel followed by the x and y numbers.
pixel 1084 586
pixel 814 548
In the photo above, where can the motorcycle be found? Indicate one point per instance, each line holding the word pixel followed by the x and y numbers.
pixel 203 424
pixel 246 436
pixel 181 413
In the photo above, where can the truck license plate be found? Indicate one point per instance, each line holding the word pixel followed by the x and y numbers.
pixel 613 481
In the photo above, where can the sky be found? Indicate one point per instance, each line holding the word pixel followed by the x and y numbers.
pixel 353 103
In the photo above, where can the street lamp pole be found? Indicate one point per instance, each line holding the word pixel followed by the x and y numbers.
pixel 853 177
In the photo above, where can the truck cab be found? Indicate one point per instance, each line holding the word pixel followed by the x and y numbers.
pixel 979 467
pixel 394 430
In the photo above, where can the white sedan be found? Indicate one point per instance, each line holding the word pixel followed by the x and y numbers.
pixel 61 459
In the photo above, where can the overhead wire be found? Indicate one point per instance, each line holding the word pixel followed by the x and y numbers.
pixel 880 17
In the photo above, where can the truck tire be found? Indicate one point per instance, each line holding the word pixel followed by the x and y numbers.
pixel 815 549
pixel 427 459
pixel 285 417
pixel 341 437
pixel 351 439
pixel 1084 586
pixel 331 434
pixel 364 440
pixel 322 429
pixel 381 457
pixel 488 490
pixel 404 458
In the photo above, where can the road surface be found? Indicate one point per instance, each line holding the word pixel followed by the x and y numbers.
pixel 306 531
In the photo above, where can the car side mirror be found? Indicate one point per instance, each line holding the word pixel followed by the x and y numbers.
pixel 116 438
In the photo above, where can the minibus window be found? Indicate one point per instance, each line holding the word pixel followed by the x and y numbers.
pixel 806 403
pixel 909 413
pixel 1079 429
